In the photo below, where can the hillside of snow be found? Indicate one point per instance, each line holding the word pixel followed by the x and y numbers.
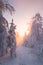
pixel 24 56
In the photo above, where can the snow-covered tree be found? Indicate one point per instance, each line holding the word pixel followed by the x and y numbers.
pixel 37 27
pixel 35 36
pixel 3 25
pixel 12 35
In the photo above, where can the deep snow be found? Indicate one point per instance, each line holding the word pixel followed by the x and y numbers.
pixel 25 56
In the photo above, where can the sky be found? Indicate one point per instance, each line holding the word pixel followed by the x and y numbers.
pixel 25 10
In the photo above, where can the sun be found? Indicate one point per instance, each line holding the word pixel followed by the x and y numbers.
pixel 22 30
pixel 27 32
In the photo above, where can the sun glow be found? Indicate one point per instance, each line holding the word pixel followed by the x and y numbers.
pixel 22 30
pixel 27 33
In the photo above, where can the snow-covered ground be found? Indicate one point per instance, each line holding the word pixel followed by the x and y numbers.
pixel 25 56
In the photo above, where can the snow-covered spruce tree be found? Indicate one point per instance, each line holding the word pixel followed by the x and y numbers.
pixel 37 34
pixel 35 37
pixel 3 25
pixel 12 35
pixel 36 28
